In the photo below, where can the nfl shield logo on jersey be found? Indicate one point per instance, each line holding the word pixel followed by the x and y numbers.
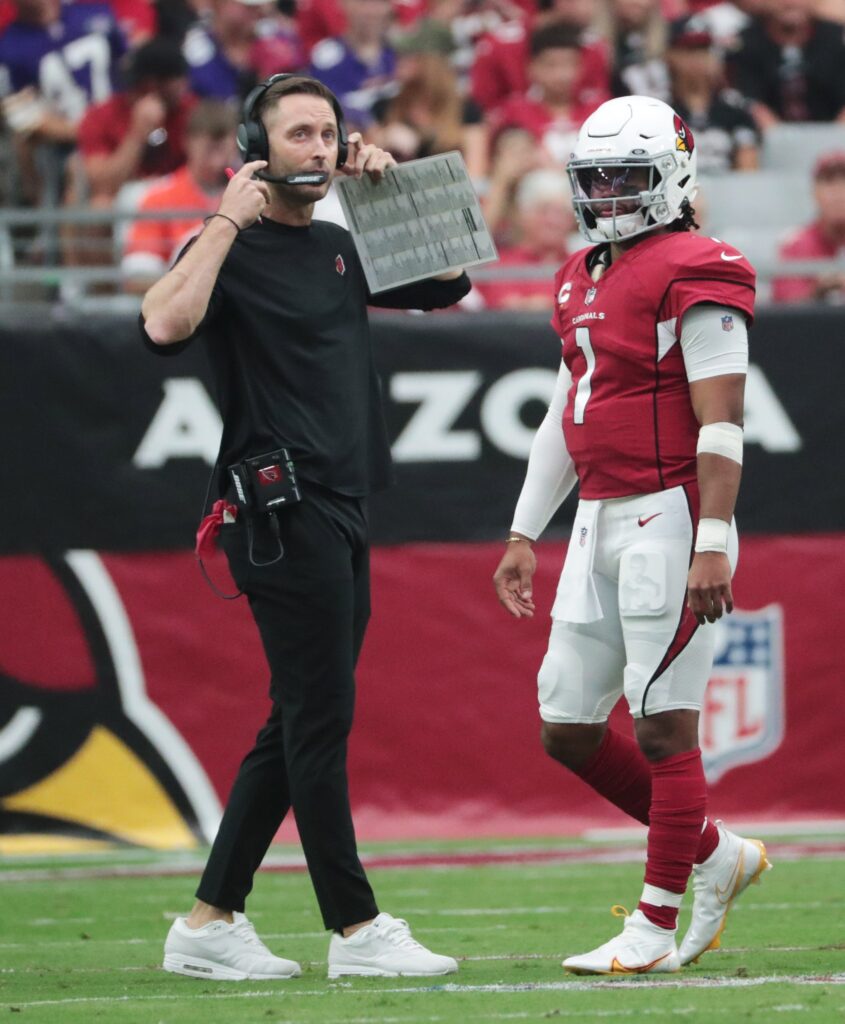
pixel 727 323
pixel 743 711
pixel 590 296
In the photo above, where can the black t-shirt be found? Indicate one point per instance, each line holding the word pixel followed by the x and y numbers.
pixel 720 131
pixel 805 83
pixel 289 342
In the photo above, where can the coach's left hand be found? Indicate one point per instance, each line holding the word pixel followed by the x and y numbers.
pixel 365 157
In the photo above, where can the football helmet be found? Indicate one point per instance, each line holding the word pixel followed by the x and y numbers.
pixel 632 169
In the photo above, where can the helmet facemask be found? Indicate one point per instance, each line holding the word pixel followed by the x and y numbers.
pixel 619 198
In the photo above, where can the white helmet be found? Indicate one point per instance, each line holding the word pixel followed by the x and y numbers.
pixel 632 169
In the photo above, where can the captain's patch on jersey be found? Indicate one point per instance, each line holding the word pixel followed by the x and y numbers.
pixel 742 717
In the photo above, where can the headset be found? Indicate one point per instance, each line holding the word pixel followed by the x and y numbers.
pixel 254 145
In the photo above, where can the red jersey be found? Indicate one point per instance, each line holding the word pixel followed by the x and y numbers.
pixel 501 59
pixel 105 125
pixel 525 293
pixel 557 134
pixel 628 422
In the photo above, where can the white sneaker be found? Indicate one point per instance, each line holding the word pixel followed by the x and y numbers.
pixel 727 872
pixel 642 948
pixel 385 948
pixel 220 951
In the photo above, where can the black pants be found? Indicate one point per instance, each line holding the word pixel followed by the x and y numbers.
pixel 311 609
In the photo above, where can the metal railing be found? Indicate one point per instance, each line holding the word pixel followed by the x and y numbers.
pixel 20 266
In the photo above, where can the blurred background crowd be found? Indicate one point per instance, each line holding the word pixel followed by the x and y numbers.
pixel 118 121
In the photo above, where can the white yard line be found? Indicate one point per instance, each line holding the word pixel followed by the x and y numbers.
pixel 453 988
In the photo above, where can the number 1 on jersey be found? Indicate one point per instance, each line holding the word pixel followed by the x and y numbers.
pixel 584 390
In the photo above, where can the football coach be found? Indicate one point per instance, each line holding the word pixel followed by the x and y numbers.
pixel 280 302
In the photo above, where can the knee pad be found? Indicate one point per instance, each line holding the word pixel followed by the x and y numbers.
pixel 579 679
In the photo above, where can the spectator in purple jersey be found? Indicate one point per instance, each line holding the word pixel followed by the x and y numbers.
pixel 236 45
pixel 55 61
pixel 359 66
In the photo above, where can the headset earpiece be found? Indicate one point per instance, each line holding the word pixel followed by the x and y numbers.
pixel 252 135
pixel 342 140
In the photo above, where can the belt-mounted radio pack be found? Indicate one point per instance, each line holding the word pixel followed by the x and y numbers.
pixel 265 483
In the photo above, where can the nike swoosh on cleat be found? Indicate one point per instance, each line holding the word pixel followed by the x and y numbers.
pixel 617 968
pixel 728 258
pixel 648 519
pixel 726 895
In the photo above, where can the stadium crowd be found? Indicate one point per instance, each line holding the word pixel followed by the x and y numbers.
pixel 132 104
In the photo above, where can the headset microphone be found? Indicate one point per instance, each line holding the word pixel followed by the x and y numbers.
pixel 312 178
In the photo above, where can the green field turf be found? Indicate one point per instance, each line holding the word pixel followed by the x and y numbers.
pixel 81 950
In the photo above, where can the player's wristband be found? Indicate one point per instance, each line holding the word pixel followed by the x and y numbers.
pixel 712 535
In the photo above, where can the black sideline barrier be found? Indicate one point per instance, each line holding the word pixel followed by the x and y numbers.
pixel 107 446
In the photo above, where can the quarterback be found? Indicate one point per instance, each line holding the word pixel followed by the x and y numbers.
pixel 647 418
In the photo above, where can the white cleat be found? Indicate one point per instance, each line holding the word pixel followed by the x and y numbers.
pixel 386 949
pixel 642 948
pixel 727 872
pixel 220 951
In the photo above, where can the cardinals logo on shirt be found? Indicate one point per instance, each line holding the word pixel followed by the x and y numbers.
pixel 684 142
pixel 339 265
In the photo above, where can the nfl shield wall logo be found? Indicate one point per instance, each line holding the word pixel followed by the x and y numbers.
pixel 742 717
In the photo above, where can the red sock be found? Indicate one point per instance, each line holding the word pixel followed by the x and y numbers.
pixel 620 773
pixel 678 802
pixel 708 842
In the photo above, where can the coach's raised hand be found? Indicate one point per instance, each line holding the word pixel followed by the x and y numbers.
pixel 245 197
pixel 366 158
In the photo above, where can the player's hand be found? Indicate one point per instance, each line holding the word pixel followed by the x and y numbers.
pixel 513 577
pixel 245 197
pixel 709 592
pixel 366 158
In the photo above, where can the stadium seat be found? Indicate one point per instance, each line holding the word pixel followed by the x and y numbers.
pixel 766 200
pixel 794 148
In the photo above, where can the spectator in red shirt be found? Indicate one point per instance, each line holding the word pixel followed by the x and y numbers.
pixel 501 60
pixel 544 222
pixel 551 108
pixel 824 239
pixel 139 133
